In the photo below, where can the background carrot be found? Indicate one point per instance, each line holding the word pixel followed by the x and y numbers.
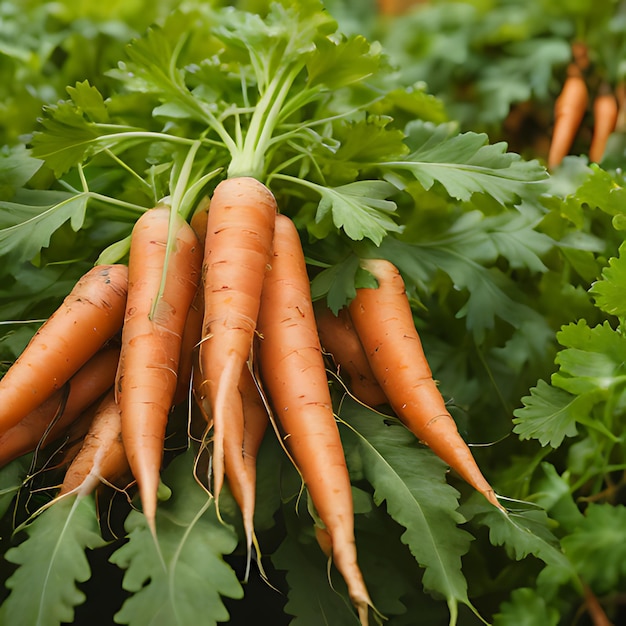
pixel 339 338
pixel 605 112
pixel 569 109
pixel 151 340
pixel 101 457
pixel 294 377
pixel 62 408
pixel 88 317
pixel 384 322
pixel 237 251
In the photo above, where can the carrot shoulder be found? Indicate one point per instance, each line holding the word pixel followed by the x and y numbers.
pixel 151 340
pixel 384 321
pixel 88 317
pixel 239 236
pixel 294 377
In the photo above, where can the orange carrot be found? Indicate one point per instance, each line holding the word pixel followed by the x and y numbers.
pixel 88 317
pixel 192 333
pixel 73 437
pixel 339 338
pixel 569 110
pixel 241 477
pixel 101 458
pixel 239 238
pixel 65 405
pixel 397 7
pixel 294 377
pixel 605 112
pixel 151 340
pixel 256 419
pixel 384 321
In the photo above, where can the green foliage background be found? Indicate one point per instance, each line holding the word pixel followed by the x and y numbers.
pixel 516 278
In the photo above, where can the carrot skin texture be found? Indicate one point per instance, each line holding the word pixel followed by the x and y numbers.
pixel 192 333
pixel 294 378
pixel 605 113
pixel 101 457
pixel 88 317
pixel 384 321
pixel 89 383
pixel 240 230
pixel 339 338
pixel 147 375
pixel 569 110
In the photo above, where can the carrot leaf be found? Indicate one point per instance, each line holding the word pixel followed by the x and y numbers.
pixel 548 414
pixel 11 479
pixel 164 579
pixel 597 547
pixel 28 221
pixel 609 290
pixel 311 599
pixel 51 560
pixel 411 480
pixel 463 164
pixel 523 533
pixel 360 209
pixel 526 607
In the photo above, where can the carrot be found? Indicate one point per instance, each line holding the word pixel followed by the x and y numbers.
pixel 73 437
pixel 241 477
pixel 384 321
pixel 339 338
pixel 237 247
pixel 397 7
pixel 605 112
pixel 569 110
pixel 65 405
pixel 88 317
pixel 101 458
pixel 293 374
pixel 151 340
pixel 192 333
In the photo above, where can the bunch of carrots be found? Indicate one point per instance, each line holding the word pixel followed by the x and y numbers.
pixel 571 107
pixel 219 310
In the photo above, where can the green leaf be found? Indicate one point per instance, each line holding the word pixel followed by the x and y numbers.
pixel 597 548
pixel 27 223
pixel 311 599
pixel 463 164
pixel 180 581
pixel 66 137
pixel 51 561
pixel 360 209
pixel 411 481
pixel 11 480
pixel 464 254
pixel 17 167
pixel 549 414
pixel 522 533
pixel 336 283
pixel 526 608
pixel 593 358
pixel 89 102
pixel 609 292
pixel 336 64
